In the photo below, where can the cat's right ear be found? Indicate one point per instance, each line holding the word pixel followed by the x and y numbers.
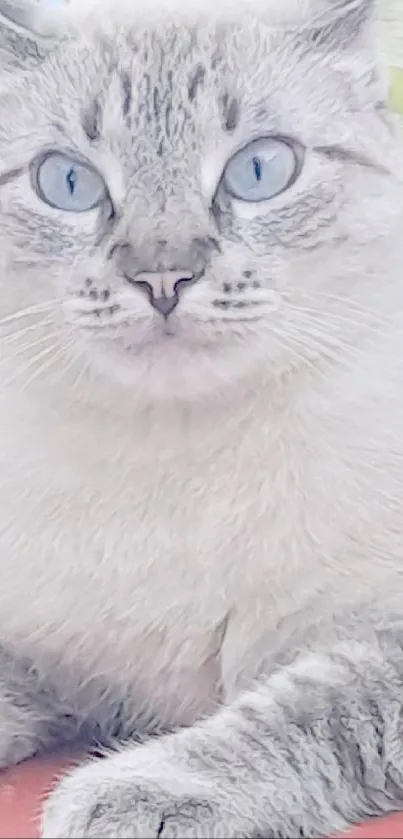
pixel 343 24
pixel 28 31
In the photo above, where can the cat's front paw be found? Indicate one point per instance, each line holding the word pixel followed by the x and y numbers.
pixel 141 793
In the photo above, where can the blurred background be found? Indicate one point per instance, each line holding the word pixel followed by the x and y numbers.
pixel 392 25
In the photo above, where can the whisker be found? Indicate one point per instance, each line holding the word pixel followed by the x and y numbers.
pixel 332 317
pixel 47 364
pixel 16 334
pixel 79 376
pixel 37 308
pixel 291 346
pixel 328 326
pixel 20 349
pixel 338 352
pixel 354 309
pixel 75 356
pixel 31 362
pixel 318 338
pixel 310 328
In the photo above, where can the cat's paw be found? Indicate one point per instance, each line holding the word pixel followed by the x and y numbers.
pixel 140 793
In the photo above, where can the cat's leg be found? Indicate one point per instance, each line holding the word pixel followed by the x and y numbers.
pixel 33 718
pixel 315 748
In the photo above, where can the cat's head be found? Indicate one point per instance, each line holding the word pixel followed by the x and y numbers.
pixel 197 190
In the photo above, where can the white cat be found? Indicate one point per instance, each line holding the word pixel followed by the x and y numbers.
pixel 201 492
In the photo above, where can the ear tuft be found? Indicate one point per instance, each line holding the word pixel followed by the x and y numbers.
pixel 28 30
pixel 340 24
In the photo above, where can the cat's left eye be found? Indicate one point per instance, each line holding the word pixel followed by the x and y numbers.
pixel 262 170
pixel 69 184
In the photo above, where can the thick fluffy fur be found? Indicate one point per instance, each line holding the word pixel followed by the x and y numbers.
pixel 205 524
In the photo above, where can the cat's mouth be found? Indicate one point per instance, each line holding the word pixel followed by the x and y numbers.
pixel 157 339
pixel 170 335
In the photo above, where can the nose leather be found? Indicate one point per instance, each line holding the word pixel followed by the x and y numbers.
pixel 163 288
pixel 164 305
pixel 163 283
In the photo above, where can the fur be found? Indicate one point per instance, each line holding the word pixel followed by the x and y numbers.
pixel 201 531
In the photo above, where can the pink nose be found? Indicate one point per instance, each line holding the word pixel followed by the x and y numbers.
pixel 163 288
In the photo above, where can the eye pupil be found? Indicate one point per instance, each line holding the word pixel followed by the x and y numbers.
pixel 71 181
pixel 257 168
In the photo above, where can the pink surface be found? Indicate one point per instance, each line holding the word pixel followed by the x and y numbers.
pixel 23 789
pixel 390 827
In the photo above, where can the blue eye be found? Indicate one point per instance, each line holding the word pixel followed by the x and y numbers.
pixel 261 170
pixel 68 184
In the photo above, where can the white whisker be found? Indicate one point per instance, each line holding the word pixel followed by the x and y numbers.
pixel 50 354
pixel 33 361
pixel 81 374
pixel 321 346
pixel 354 310
pixel 290 343
pixel 332 317
pixel 47 364
pixel 16 334
pixel 312 329
pixel 38 308
pixel 76 356
pixel 20 349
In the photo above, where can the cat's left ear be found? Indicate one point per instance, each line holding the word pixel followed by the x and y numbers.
pixel 28 31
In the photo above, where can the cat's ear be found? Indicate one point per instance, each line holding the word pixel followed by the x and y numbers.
pixel 28 31
pixel 347 32
pixel 343 24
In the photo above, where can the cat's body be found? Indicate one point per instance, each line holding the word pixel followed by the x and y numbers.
pixel 188 511
pixel 243 488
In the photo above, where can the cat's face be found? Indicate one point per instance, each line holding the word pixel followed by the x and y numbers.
pixel 196 197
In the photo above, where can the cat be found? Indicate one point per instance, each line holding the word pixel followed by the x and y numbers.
pixel 201 491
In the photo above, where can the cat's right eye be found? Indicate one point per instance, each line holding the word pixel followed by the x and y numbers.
pixel 69 184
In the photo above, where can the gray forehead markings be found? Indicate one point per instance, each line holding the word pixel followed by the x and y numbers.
pixel 127 93
pixel 196 81
pixel 162 95
pixel 229 107
pixel 91 119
